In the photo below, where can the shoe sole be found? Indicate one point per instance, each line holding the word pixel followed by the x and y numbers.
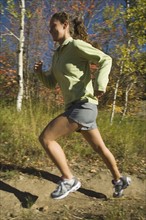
pixel 73 189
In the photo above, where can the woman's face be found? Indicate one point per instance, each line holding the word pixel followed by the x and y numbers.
pixel 57 30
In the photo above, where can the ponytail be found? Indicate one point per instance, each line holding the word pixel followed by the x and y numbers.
pixel 79 29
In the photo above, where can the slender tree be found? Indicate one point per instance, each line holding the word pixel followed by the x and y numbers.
pixel 127 50
pixel 20 56
pixel 13 11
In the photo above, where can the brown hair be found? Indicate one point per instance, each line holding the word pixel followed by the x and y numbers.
pixel 76 26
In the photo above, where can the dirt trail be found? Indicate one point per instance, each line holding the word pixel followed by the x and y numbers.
pixel 26 195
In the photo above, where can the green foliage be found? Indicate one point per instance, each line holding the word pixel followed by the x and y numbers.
pixel 120 33
pixel 136 18
pixel 9 174
pixel 122 210
pixel 125 28
pixel 19 137
pixel 1 8
pixel 126 139
pixel 11 8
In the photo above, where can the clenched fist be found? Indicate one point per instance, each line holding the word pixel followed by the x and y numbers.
pixel 98 94
pixel 38 66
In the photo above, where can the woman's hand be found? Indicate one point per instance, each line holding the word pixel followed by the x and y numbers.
pixel 38 67
pixel 98 94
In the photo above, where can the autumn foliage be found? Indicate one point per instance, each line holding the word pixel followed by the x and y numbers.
pixel 111 27
pixel 8 79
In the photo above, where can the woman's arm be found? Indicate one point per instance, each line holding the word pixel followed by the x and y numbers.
pixel 47 77
pixel 90 53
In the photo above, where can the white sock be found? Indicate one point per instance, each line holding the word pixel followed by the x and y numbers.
pixel 71 181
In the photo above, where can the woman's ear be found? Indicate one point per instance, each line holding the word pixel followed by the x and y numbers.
pixel 65 24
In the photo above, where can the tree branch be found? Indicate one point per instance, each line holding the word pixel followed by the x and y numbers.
pixel 11 33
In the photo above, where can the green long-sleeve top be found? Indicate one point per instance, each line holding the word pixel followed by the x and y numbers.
pixel 70 69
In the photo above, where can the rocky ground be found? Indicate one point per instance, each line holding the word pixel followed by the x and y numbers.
pixel 25 194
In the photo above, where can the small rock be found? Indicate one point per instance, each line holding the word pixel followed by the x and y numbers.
pixel 92 171
pixel 12 215
pixel 21 177
pixel 101 204
pixel 43 209
pixel 141 207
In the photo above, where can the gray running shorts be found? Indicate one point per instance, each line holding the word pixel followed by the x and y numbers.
pixel 84 113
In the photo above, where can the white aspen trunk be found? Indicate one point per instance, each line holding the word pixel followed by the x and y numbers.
pixel 117 83
pixel 126 103
pixel 20 58
pixel 115 94
pixel 128 3
pixel 114 101
pixel 129 87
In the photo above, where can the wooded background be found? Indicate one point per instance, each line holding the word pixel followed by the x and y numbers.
pixel 116 27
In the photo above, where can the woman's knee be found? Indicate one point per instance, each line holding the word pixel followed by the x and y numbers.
pixel 44 139
pixel 100 149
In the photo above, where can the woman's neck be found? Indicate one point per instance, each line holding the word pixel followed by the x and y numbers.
pixel 64 38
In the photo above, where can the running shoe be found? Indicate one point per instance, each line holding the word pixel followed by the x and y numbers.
pixel 65 187
pixel 120 185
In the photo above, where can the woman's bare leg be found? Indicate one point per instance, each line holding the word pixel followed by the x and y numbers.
pixel 95 140
pixel 58 127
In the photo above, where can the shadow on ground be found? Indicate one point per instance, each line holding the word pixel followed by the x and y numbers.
pixel 26 198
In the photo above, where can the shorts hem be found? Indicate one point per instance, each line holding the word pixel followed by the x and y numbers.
pixel 84 127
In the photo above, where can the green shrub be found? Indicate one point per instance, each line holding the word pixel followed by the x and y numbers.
pixel 19 133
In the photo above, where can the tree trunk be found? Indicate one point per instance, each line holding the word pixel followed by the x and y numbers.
pixel 128 88
pixel 121 71
pixel 115 93
pixel 20 57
